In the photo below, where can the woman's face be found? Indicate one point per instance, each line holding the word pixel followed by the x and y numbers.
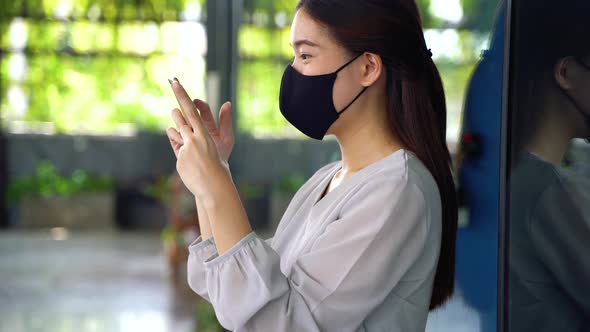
pixel 316 52
pixel 573 77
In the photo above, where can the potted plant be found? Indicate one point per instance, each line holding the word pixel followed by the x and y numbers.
pixel 48 199
pixel 182 221
pixel 282 193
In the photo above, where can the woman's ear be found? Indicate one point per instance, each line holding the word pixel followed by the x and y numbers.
pixel 372 69
pixel 563 72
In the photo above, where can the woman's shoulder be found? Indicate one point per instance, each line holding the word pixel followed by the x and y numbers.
pixel 404 184
pixel 405 168
pixel 406 175
pixel 421 176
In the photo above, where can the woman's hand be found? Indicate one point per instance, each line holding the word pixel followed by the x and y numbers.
pixel 199 162
pixel 222 136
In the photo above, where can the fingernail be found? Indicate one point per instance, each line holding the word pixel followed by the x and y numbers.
pixel 174 79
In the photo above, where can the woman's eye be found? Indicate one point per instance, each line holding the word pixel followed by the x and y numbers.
pixel 305 56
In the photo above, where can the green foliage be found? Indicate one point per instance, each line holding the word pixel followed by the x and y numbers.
pixel 160 189
pixel 428 20
pixel 109 9
pixel 479 14
pixel 46 182
pixel 249 190
pixel 101 76
pixel 206 319
pixel 455 78
pixel 290 183
pixel 259 84
pixel 271 6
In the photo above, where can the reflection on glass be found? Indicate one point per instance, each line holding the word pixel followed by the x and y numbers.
pixel 549 246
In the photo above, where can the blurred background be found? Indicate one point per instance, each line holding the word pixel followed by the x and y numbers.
pixel 95 222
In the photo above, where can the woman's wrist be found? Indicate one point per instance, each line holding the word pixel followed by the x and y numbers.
pixel 229 221
pixel 218 192
pixel 204 223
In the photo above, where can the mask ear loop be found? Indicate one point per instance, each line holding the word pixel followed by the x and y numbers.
pixel 355 98
pixel 359 94
pixel 346 64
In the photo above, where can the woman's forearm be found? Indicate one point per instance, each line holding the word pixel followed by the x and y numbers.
pixel 204 224
pixel 229 220
pixel 204 220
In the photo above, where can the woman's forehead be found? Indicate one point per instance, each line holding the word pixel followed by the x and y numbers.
pixel 307 30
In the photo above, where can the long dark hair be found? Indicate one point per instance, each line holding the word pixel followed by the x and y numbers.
pixel 417 111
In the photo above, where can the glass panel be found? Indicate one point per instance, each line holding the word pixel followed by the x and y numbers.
pixel 549 218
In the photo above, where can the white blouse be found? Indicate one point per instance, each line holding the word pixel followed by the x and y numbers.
pixel 362 258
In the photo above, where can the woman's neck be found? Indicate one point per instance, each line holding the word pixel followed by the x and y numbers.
pixel 551 140
pixel 371 140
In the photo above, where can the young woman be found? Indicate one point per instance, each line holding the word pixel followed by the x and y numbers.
pixel 367 243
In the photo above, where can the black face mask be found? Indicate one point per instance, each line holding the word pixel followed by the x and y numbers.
pixel 306 101
pixel 576 104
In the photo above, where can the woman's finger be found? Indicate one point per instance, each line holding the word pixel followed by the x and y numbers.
pixel 174 135
pixel 188 108
pixel 171 133
pixel 185 133
pixel 206 115
pixel 225 124
pixel 178 118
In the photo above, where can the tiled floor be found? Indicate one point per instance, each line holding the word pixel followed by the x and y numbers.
pixel 105 281
pixel 111 281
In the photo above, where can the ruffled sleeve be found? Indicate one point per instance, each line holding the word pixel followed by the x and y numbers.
pixel 382 229
pixel 198 252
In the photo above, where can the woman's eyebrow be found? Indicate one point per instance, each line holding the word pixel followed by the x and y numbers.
pixel 308 42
